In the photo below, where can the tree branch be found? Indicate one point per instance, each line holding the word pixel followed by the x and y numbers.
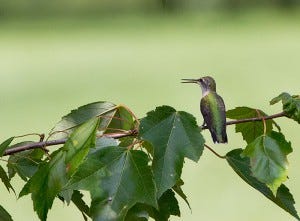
pixel 44 144
pixel 281 114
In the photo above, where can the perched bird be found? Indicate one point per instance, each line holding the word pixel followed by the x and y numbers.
pixel 212 108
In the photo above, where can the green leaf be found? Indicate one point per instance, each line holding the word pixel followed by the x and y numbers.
pixel 174 135
pixel 4 145
pixel 80 204
pixel 79 144
pixel 121 119
pixel 77 147
pixel 127 180
pixel 167 206
pixel 148 147
pixel 86 176
pixel 4 215
pixel 46 183
pixel 51 177
pixel 5 179
pixel 250 130
pixel 25 163
pixel 290 105
pixel 103 142
pixel 241 166
pixel 113 118
pixel 138 213
pixel 177 188
pixel 124 178
pixel 268 159
pixel 126 141
pixel 77 117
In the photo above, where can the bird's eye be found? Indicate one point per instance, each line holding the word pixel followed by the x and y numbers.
pixel 201 80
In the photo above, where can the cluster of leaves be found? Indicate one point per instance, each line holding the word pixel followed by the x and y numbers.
pixel 291 105
pixel 129 178
pixel 132 168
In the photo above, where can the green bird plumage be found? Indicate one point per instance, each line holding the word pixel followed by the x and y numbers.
pixel 212 108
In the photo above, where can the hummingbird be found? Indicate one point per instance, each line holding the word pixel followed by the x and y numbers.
pixel 212 108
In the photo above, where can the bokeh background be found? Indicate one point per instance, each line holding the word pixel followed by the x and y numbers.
pixel 58 55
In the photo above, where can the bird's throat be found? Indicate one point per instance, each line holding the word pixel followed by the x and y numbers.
pixel 205 92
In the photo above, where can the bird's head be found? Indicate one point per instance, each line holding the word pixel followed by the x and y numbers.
pixel 206 83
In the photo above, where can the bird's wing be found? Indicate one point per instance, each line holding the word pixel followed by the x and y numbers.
pixel 222 109
pixel 206 111
pixel 213 110
pixel 223 119
pixel 207 114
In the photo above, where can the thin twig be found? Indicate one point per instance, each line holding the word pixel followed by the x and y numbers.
pixel 281 114
pixel 214 152
pixel 42 136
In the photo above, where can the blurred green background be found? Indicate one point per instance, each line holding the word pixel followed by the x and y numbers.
pixel 58 55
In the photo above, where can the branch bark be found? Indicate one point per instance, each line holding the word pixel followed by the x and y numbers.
pixel 45 144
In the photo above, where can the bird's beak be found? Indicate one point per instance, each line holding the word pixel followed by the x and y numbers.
pixel 189 81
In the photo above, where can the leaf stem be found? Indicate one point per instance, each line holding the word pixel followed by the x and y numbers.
pixel 263 120
pixel 214 152
pixel 42 136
